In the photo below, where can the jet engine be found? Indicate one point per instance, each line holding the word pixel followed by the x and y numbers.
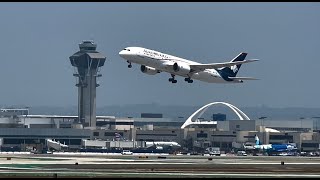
pixel 148 70
pixel 182 68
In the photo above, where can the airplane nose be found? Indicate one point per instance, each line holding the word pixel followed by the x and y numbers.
pixel 121 53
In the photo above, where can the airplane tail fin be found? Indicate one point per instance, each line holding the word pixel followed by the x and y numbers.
pixel 233 70
pixel 257 141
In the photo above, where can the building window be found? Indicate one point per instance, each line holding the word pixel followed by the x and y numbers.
pixel 248 136
pixel 223 135
pixel 282 137
pixel 156 134
pixel 237 126
pixel 202 135
pixel 311 145
pixel 95 133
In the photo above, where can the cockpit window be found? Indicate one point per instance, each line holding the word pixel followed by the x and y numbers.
pixel 126 49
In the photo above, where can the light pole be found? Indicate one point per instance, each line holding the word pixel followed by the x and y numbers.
pixel 24 124
pixel 180 141
pixel 316 128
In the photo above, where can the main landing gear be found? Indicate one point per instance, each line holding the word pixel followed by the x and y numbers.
pixel 188 80
pixel 129 66
pixel 172 79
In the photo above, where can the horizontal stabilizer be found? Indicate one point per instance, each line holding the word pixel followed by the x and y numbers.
pixel 202 67
pixel 243 78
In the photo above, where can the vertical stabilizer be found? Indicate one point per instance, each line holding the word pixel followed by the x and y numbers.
pixel 233 70
pixel 257 141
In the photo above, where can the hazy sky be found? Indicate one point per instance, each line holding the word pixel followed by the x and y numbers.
pixel 38 38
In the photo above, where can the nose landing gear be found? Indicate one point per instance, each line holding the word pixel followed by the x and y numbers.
pixel 129 66
pixel 172 79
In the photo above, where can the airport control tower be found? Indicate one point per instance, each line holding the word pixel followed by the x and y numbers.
pixel 87 63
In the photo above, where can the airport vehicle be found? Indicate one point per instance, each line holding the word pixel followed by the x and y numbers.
pixel 241 153
pixel 153 62
pixel 126 152
pixel 213 151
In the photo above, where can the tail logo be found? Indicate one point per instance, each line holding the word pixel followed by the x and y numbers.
pixel 234 69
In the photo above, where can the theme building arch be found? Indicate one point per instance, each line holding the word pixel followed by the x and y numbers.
pixel 194 118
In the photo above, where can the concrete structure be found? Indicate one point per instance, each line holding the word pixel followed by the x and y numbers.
pixel 11 112
pixel 116 124
pixel 23 138
pixel 94 144
pixel 165 134
pixel 236 125
pixel 155 123
pixel 87 63
pixel 302 125
pixel 46 121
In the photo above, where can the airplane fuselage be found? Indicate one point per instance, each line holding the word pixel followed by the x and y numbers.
pixel 160 62
pixel 163 144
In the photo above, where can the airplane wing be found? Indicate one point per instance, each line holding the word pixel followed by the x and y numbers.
pixel 243 78
pixel 202 67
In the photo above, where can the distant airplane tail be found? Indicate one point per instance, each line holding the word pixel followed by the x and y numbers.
pixel 257 141
pixel 233 70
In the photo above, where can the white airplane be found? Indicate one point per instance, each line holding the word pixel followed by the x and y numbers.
pixel 153 62
pixel 163 144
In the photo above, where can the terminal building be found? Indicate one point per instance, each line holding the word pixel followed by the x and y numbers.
pixel 22 131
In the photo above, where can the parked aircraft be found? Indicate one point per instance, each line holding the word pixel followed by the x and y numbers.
pixel 273 147
pixel 153 62
pixel 163 144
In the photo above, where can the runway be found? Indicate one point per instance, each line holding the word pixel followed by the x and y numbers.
pixel 146 166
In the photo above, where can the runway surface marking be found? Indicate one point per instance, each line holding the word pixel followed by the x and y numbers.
pixel 155 174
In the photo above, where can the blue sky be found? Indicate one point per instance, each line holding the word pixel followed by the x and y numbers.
pixel 38 38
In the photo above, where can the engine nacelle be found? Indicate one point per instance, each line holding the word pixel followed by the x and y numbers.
pixel 148 70
pixel 182 68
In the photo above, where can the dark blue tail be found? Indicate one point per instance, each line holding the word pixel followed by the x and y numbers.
pixel 233 70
